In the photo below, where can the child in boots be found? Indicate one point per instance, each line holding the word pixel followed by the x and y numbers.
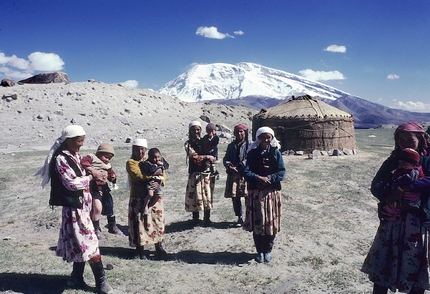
pixel 154 166
pixel 100 191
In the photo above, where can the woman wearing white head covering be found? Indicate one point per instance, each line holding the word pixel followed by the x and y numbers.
pixel 264 172
pixel 140 234
pixel 200 186
pixel 77 242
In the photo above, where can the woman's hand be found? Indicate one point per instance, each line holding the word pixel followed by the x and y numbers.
pixel 395 197
pixel 158 172
pixel 233 168
pixel 211 158
pixel 264 180
pixel 154 185
pixel 100 175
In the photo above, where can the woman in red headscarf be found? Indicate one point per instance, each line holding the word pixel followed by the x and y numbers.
pixel 235 161
pixel 399 256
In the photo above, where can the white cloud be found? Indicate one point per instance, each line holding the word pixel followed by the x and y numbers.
pixel 19 68
pixel 239 32
pixel 392 77
pixel 412 106
pixel 321 75
pixel 130 83
pixel 336 48
pixel 41 61
pixel 211 33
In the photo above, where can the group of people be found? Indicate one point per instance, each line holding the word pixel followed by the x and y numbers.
pixel 398 258
pixel 80 185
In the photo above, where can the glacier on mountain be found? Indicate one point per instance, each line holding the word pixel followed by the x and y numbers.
pixel 227 81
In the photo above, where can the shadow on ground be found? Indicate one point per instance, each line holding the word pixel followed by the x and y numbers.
pixel 33 283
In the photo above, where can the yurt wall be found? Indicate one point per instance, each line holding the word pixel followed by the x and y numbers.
pixel 306 124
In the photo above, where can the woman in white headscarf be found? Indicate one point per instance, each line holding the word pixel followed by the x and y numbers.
pixel 200 185
pixel 77 241
pixel 264 172
pixel 141 233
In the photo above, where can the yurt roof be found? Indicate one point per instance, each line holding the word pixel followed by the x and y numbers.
pixel 304 106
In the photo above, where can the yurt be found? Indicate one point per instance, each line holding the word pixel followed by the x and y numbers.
pixel 306 124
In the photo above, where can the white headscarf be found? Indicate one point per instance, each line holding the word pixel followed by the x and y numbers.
pixel 264 130
pixel 71 131
pixel 140 143
pixel 194 123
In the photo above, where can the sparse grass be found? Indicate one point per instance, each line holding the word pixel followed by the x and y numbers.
pixel 328 223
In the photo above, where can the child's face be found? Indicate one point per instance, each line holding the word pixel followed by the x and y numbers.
pixel 105 157
pixel 405 164
pixel 156 158
pixel 211 133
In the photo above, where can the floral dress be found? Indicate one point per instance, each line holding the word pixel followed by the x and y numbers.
pixel 200 185
pixel 399 255
pixel 140 232
pixel 77 241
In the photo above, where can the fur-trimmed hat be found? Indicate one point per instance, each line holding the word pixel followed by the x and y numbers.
pixel 410 155
pixel 106 148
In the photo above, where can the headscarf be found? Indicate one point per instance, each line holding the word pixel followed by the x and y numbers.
pixel 412 127
pixel 71 131
pixel 240 127
pixel 409 127
pixel 264 130
pixel 140 143
pixel 194 123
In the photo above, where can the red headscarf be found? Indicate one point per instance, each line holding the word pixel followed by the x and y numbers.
pixel 416 128
pixel 409 127
pixel 240 127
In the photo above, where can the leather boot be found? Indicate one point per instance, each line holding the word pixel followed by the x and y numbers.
pixel 378 289
pixel 98 231
pixel 141 252
pixel 76 279
pixel 112 228
pixel 207 215
pixel 195 218
pixel 102 284
pixel 160 250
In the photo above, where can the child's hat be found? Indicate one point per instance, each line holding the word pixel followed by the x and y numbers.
pixel 210 127
pixel 106 148
pixel 410 155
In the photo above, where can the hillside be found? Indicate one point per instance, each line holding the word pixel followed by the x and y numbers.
pixel 33 115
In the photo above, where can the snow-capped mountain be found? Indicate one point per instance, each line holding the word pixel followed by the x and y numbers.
pixel 228 81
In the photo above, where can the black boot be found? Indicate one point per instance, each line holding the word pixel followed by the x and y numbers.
pixel 259 247
pixel 98 231
pixel 416 290
pixel 160 250
pixel 378 289
pixel 195 218
pixel 76 279
pixel 207 215
pixel 112 228
pixel 102 284
pixel 141 252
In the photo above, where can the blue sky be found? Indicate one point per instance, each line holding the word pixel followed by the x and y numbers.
pixel 377 50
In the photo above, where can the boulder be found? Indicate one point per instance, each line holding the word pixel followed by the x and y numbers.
pixel 7 82
pixel 47 78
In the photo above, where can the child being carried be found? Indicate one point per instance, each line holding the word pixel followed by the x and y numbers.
pixel 154 167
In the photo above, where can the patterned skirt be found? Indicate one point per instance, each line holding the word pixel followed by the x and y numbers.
pixel 199 193
pixel 263 212
pixel 77 241
pixel 235 186
pixel 399 255
pixel 155 222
